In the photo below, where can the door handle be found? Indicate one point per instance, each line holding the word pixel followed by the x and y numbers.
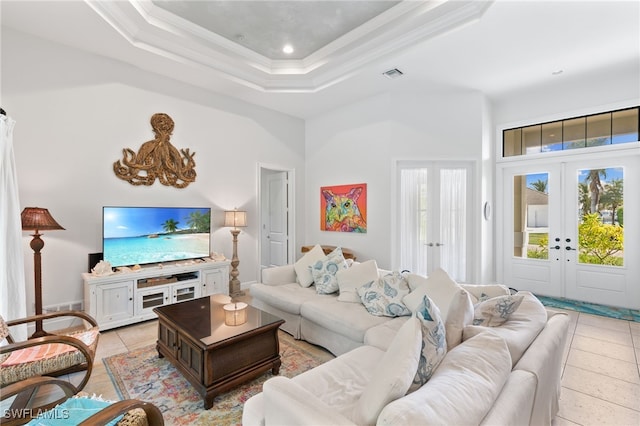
pixel 555 248
pixel 439 244
pixel 569 248
pixel 429 244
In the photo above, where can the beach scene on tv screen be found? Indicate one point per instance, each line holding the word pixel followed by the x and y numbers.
pixel 142 235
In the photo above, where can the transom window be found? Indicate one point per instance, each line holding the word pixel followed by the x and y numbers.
pixel 608 128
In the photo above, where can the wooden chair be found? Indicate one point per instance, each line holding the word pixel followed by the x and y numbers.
pixel 50 355
pixel 134 412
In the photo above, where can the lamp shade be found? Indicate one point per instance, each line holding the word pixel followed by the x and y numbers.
pixel 235 218
pixel 38 219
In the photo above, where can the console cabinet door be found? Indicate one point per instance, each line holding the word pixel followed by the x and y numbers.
pixel 187 291
pixel 114 302
pixel 215 281
pixel 150 298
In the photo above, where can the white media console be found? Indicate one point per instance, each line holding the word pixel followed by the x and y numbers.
pixel 124 298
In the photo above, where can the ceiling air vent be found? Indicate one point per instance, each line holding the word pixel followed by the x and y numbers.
pixel 393 73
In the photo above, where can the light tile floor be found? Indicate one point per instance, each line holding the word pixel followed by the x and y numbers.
pixel 600 379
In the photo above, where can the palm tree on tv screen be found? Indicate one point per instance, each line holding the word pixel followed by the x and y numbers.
pixel 198 221
pixel 170 225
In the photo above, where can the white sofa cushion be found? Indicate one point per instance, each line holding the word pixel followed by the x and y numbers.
pixel 496 311
pixel 393 375
pixel 350 279
pixel 347 319
pixel 286 297
pixel 522 327
pixel 434 343
pixel 476 291
pixel 461 391
pixel 438 286
pixel 303 273
pixel 325 269
pixel 383 297
pixel 340 382
pixel 460 315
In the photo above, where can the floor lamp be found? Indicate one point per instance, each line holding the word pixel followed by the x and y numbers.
pixel 38 219
pixel 236 219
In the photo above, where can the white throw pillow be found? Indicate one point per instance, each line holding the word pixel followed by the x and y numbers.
pixel 350 279
pixel 383 297
pixel 460 315
pixel 324 271
pixel 438 286
pixel 305 279
pixel 496 311
pixel 393 375
pixel 434 342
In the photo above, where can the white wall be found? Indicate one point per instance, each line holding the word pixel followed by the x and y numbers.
pixel 362 142
pixel 75 112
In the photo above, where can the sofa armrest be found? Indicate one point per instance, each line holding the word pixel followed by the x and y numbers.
pixel 544 360
pixel 287 403
pixel 276 275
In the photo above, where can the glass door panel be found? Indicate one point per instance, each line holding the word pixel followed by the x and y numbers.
pixel 601 216
pixel 531 216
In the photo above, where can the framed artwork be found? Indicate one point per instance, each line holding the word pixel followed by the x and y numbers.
pixel 343 208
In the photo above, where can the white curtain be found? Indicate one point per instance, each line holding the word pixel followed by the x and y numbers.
pixel 12 279
pixel 413 220
pixel 453 222
pixel 433 216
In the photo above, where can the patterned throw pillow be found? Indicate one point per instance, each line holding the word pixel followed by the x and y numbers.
pixel 383 297
pixel 496 311
pixel 324 271
pixel 434 342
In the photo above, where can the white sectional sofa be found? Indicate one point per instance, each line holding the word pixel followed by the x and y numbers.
pixel 501 375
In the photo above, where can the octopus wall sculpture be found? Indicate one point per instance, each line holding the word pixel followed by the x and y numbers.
pixel 157 159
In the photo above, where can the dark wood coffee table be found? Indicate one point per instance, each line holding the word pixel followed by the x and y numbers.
pixel 213 356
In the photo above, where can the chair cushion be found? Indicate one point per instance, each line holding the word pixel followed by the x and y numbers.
pixel 74 411
pixel 286 297
pixel 41 360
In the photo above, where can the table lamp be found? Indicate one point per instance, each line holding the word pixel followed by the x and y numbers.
pixel 235 219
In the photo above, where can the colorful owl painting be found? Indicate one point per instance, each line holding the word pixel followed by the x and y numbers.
pixel 344 208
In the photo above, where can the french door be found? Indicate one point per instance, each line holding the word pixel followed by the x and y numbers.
pixel 434 217
pixel 570 228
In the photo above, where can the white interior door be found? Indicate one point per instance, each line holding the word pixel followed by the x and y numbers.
pixel 558 243
pixel 276 220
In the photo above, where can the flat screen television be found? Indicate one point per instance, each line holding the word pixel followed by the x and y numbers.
pixel 144 235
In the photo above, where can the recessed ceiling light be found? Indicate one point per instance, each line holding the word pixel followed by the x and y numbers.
pixel 288 49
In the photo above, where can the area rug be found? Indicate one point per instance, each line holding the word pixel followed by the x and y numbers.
pixel 140 374
pixel 591 308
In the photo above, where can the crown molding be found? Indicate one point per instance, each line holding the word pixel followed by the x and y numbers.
pixel 151 28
